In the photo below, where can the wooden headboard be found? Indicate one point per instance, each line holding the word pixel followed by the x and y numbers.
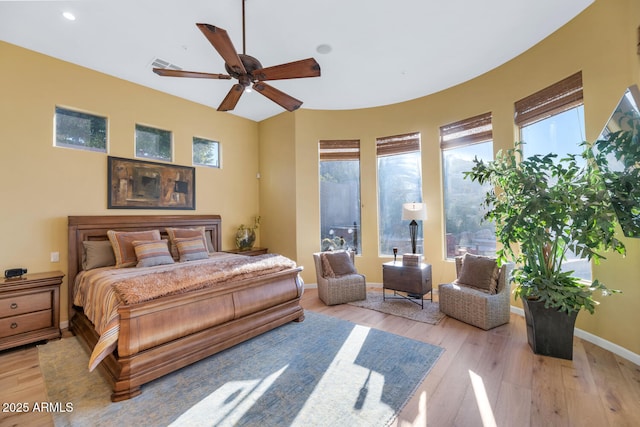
pixel 83 228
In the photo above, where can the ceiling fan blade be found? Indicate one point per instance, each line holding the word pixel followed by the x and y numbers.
pixel 192 74
pixel 292 70
pixel 229 102
pixel 220 40
pixel 287 102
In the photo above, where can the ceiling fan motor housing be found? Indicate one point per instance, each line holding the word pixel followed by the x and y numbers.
pixel 250 63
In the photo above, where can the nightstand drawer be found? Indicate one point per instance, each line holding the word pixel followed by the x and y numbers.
pixel 13 306
pixel 25 323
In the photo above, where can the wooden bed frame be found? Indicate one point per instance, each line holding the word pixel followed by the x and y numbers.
pixel 151 342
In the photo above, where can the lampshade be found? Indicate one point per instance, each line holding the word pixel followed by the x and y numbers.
pixel 414 211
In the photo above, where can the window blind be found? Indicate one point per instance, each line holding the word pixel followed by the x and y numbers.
pixel 469 131
pixel 398 144
pixel 555 99
pixel 348 149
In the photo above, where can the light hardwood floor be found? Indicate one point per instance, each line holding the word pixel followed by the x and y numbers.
pixel 483 378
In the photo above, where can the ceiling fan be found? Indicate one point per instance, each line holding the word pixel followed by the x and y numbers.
pixel 248 70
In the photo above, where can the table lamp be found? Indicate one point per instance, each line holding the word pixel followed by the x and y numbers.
pixel 413 212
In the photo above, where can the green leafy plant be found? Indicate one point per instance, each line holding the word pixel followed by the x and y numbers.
pixel 256 224
pixel 333 243
pixel 618 159
pixel 544 207
pixel 246 235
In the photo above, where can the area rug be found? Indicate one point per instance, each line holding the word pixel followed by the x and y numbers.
pixel 401 307
pixel 320 372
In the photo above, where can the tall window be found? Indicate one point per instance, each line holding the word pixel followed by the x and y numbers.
pixel 340 195
pixel 399 181
pixel 465 230
pixel 552 121
pixel 74 129
pixel 152 143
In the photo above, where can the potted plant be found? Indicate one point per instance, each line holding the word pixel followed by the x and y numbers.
pixel 246 235
pixel 333 243
pixel 543 207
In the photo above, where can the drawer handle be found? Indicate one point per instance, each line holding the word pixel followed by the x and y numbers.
pixel 14 325
pixel 14 305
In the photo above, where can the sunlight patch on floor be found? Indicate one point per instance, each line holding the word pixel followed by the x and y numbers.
pixel 238 398
pixel 363 390
pixel 486 413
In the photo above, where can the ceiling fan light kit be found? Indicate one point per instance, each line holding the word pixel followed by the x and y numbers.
pixel 248 71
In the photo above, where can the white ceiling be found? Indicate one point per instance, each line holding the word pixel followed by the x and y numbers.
pixel 383 51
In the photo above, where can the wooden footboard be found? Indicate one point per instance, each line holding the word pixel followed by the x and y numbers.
pixel 160 336
pixel 126 373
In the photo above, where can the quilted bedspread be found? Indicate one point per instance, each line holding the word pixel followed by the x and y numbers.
pixel 101 291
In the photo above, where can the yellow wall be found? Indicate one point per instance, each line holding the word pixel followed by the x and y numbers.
pixel 278 185
pixel 601 42
pixel 42 184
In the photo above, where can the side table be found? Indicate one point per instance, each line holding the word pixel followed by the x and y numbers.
pixel 30 309
pixel 249 252
pixel 415 281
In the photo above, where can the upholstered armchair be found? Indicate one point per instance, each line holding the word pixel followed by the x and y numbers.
pixel 338 280
pixel 480 296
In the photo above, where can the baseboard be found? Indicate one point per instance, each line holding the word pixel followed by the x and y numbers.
pixel 64 324
pixel 594 339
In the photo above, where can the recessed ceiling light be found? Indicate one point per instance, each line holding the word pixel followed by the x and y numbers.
pixel 70 16
pixel 323 48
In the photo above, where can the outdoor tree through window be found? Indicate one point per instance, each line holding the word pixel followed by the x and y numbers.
pixel 153 143
pixel 206 152
pixel 74 129
pixel 465 230
pixel 399 181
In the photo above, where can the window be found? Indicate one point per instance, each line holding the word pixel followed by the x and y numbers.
pixel 340 195
pixel 153 143
pixel 552 121
pixel 74 129
pixel 399 181
pixel 465 231
pixel 206 152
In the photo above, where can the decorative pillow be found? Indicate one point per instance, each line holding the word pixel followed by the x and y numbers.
pixel 97 253
pixel 336 264
pixel 152 252
pixel 122 243
pixel 177 233
pixel 479 272
pixel 191 248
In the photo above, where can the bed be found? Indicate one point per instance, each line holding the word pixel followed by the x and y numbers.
pixel 163 334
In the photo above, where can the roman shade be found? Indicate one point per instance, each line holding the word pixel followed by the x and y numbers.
pixel 348 149
pixel 473 130
pixel 559 97
pixel 398 144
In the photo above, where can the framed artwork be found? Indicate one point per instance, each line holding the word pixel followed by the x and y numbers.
pixel 139 184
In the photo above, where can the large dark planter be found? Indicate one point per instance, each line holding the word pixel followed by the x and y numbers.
pixel 549 331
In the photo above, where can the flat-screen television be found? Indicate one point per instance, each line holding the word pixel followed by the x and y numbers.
pixel 617 154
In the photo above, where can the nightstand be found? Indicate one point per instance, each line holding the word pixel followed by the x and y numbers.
pixel 249 252
pixel 30 309
pixel 415 281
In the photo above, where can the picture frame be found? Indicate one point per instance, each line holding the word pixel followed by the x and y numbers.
pixel 140 184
